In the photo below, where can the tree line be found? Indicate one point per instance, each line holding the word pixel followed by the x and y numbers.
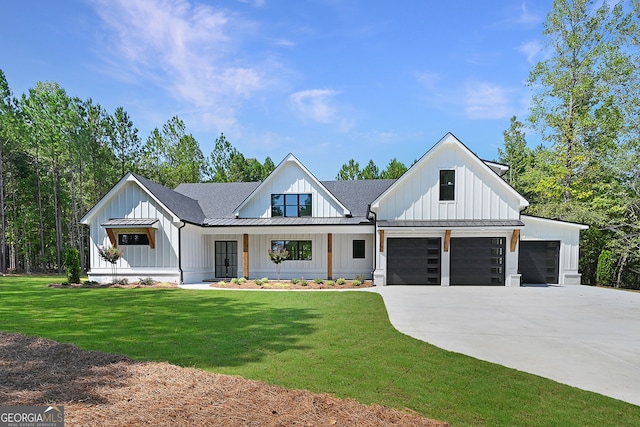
pixel 59 155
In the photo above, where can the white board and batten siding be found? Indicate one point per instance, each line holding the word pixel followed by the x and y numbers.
pixel 160 263
pixel 479 192
pixel 344 265
pixel 291 179
pixel 542 229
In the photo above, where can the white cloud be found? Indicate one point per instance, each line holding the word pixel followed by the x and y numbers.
pixel 186 49
pixel 531 50
pixel 315 104
pixel 527 17
pixel 486 101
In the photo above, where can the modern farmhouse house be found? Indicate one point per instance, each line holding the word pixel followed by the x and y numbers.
pixel 449 220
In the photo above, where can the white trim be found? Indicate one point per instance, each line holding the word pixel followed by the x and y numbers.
pixel 291 158
pixel 129 177
pixel 568 224
pixel 449 138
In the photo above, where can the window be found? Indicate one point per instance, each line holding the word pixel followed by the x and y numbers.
pixel 447 185
pixel 358 249
pixel 299 250
pixel 133 239
pixel 290 205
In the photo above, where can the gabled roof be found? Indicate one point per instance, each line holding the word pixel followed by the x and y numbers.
pixel 448 139
pixel 178 205
pixel 184 207
pixel 218 199
pixel 358 194
pixel 290 158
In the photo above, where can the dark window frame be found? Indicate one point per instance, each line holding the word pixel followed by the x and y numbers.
pixel 299 250
pixel 359 249
pixel 291 205
pixel 133 239
pixel 447 185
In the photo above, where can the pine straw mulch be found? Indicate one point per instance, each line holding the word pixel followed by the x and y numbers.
pixel 288 285
pixel 102 389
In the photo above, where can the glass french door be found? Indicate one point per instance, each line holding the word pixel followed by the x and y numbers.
pixel 226 259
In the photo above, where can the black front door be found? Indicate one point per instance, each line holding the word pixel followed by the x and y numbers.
pixel 226 259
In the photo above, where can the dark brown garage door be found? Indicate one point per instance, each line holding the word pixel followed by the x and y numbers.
pixel 413 261
pixel 477 261
pixel 539 261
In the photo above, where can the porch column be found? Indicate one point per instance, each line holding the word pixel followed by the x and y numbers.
pixel 245 255
pixel 330 256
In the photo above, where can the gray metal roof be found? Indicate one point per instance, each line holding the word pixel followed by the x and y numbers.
pixel 284 221
pixel 452 223
pixel 127 222
pixel 186 208
pixel 218 199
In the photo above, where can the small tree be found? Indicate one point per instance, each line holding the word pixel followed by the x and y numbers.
pixel 72 265
pixel 111 254
pixel 277 256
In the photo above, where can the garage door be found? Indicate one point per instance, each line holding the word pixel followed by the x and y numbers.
pixel 413 261
pixel 539 261
pixel 477 261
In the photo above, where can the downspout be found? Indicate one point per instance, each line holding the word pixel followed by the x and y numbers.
pixel 375 232
pixel 180 252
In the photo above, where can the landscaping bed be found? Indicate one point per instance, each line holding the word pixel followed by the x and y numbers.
pixel 102 389
pixel 297 284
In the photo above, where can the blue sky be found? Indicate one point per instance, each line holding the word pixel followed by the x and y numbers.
pixel 327 80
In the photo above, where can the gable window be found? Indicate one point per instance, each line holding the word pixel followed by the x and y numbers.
pixel 447 185
pixel 133 239
pixel 290 205
pixel 299 250
pixel 358 249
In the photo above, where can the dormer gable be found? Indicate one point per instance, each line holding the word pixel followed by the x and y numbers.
pixel 449 182
pixel 291 190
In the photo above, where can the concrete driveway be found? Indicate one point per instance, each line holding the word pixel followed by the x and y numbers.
pixel 582 336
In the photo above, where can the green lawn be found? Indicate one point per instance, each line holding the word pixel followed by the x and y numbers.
pixel 339 343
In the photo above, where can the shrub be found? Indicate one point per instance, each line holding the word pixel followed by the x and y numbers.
pixel 72 264
pixel 318 281
pixel 356 282
pixel 361 278
pixel 221 283
pixel 147 281
pixel 303 282
pixel 330 283
pixel 235 280
pixel 604 270
pixel 242 280
pixel 341 281
pixel 121 282
pixel 281 285
pixel 295 280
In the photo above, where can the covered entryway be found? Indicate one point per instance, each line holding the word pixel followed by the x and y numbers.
pixel 539 261
pixel 413 261
pixel 478 261
pixel 226 259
